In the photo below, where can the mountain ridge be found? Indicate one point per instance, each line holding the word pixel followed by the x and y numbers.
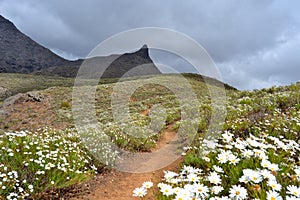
pixel 20 54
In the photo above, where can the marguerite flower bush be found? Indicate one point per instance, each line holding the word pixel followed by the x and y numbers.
pixel 254 168
pixel 255 156
pixel 142 191
pixel 34 162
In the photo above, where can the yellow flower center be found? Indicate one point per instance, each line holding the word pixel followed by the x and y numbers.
pixel 237 192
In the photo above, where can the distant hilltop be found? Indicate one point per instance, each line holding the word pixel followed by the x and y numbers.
pixel 20 54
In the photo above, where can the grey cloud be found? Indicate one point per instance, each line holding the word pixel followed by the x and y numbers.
pixel 274 66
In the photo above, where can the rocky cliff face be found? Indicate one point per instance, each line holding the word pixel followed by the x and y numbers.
pixel 120 65
pixel 20 54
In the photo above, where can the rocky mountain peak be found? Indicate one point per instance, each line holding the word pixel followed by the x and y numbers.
pixel 6 25
pixel 2 19
pixel 144 51
pixel 20 54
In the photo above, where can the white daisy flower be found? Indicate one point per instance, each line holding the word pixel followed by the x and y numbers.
pixel 244 179
pixel 274 185
pixel 169 175
pixel 265 163
pixel 238 192
pixel 297 171
pixel 217 189
pixel 255 177
pixel 227 136
pixel 247 153
pixel 218 169
pixel 292 198
pixel 201 190
pixel 233 159
pixel 183 195
pixel 139 192
pixel 193 177
pixel 294 190
pixel 147 184
pixel 167 190
pixel 273 167
pixel 267 174
pixel 214 178
pixel 273 195
pixel 222 158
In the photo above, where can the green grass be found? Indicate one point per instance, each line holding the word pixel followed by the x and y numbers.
pixel 265 123
pixel 20 83
pixel 35 162
pixel 263 114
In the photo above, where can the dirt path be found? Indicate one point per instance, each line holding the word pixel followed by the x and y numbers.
pixel 120 185
pixel 109 185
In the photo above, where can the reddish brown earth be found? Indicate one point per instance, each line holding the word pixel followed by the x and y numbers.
pixel 22 112
pixel 120 185
pixel 145 112
pixel 110 185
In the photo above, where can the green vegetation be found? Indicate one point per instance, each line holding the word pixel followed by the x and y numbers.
pixel 256 155
pixel 260 136
pixel 12 84
pixel 34 162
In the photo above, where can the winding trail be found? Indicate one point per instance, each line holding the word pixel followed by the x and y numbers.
pixel 120 185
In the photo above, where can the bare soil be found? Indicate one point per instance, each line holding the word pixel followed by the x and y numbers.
pixel 120 185
pixel 22 113
pixel 110 185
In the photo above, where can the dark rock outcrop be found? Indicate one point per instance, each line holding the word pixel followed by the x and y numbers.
pixel 20 54
pixel 119 65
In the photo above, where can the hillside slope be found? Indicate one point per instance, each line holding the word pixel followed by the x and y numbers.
pixel 261 127
pixel 20 54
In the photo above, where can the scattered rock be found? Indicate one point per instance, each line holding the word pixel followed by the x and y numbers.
pixel 8 107
pixel 21 97
pixel 34 96
pixel 11 100
pixel 3 91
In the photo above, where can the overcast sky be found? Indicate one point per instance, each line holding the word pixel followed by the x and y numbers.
pixel 255 43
